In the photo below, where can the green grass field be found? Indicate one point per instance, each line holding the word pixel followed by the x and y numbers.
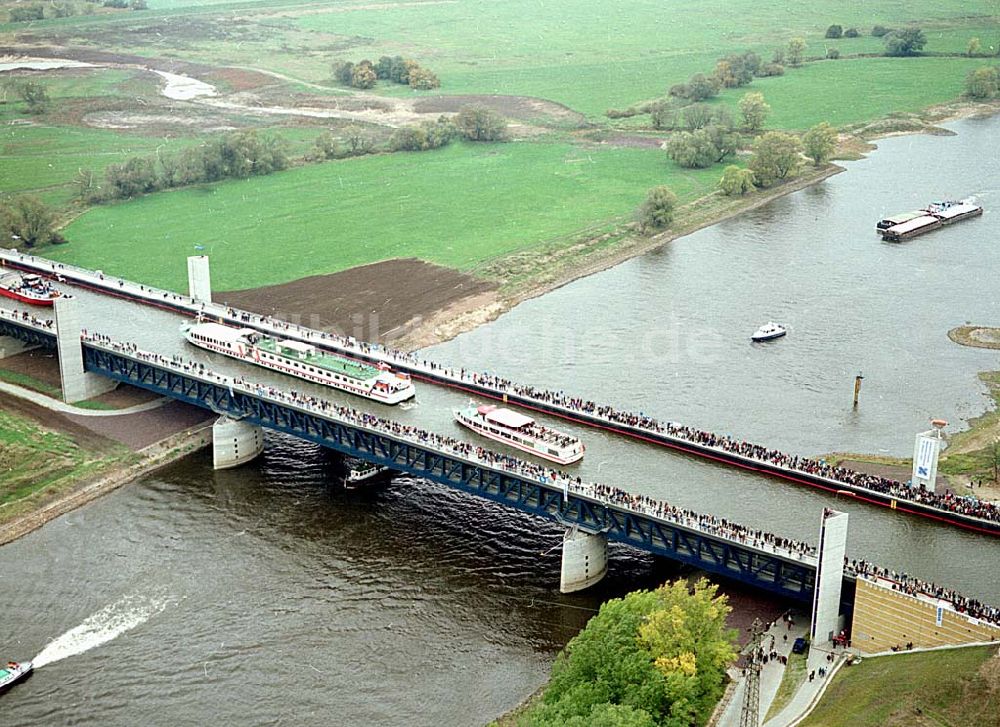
pixel 463 206
pixel 459 206
pixel 37 464
pixel 953 687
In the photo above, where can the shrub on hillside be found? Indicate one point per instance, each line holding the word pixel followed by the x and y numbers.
pixel 832 53
pixel 879 31
pixel 908 42
pixel 851 33
pixel 479 123
pixel 834 31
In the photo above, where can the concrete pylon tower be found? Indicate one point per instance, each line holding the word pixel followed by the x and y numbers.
pixel 199 280
pixel 77 385
pixel 829 576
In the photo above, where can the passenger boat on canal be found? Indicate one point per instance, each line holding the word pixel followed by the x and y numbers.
pixel 768 332
pixel 360 471
pixel 13 673
pixel 28 288
pixel 303 361
pixel 522 432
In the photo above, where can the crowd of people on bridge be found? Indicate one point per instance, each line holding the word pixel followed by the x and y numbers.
pixel 606 494
pixel 26 317
pixel 911 586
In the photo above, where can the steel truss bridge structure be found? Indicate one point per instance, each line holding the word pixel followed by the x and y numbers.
pixel 763 567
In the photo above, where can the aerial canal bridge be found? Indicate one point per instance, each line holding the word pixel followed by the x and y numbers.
pixel 591 514
pixel 198 303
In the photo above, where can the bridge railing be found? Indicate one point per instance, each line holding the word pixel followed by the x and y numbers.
pixel 973 514
pixel 478 456
pixel 28 318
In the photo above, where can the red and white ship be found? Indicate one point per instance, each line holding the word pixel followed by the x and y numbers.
pixel 521 432
pixel 32 289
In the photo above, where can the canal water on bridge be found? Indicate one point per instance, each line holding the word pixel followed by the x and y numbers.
pixel 260 591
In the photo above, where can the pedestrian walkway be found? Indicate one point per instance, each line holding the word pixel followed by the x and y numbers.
pixel 777 642
pixel 63 408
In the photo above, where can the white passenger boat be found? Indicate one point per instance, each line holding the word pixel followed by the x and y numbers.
pixel 13 673
pixel 303 361
pixel 521 432
pixel 768 332
pixel 359 471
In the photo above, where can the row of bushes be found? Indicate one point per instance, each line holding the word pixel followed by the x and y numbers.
pixel 38 11
pixel 396 69
pixel 239 154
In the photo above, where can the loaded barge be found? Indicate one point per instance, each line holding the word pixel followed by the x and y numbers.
pixel 903 227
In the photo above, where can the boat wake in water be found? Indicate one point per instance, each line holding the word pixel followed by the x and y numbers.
pixel 110 622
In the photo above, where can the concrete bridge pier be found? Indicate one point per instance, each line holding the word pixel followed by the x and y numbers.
pixel 199 280
pixel 77 384
pixel 235 442
pixel 10 346
pixel 584 559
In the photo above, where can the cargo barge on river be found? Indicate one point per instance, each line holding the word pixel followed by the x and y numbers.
pixel 304 361
pixel 903 227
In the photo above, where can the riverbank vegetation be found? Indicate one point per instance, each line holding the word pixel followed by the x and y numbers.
pixel 651 658
pixel 709 82
pixel 947 687
pixel 38 465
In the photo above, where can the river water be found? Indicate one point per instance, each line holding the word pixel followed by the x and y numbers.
pixel 264 595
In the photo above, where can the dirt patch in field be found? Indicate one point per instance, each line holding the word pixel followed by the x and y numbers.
pixel 633 141
pixel 518 108
pixel 384 301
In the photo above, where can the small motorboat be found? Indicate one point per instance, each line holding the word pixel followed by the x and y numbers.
pixel 768 332
pixel 13 673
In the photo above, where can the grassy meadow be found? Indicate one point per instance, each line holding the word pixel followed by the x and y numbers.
pixel 464 206
pixel 459 206
pixel 953 687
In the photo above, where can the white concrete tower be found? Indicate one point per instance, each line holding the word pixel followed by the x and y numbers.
pixel 199 280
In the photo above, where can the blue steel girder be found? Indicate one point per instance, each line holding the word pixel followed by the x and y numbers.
pixel 701 550
pixel 27 333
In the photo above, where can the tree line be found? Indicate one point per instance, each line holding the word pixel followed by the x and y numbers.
pixel 396 69
pixel 651 658
pixel 65 9
pixel 236 155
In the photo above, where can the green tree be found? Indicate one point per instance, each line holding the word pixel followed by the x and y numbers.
pixel 819 142
pixel 834 31
pixel 851 33
pixel 702 87
pixel 908 42
pixel 26 221
pixel 736 182
pixel 654 657
pixel 778 57
pixel 422 79
pixel 697 116
pixel 796 51
pixel 983 83
pixel 343 72
pixel 479 123
pixel 358 141
pixel 723 139
pixel 130 179
pixel 974 48
pixel 34 96
pixel 776 156
pixel 692 150
pixel 657 212
pixel 363 75
pixel 21 14
pixel 880 31
pixel 833 53
pixel 772 69
pixel 754 110
pixel 326 146
pixel 663 115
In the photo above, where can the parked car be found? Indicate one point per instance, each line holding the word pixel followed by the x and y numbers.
pixel 799 647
